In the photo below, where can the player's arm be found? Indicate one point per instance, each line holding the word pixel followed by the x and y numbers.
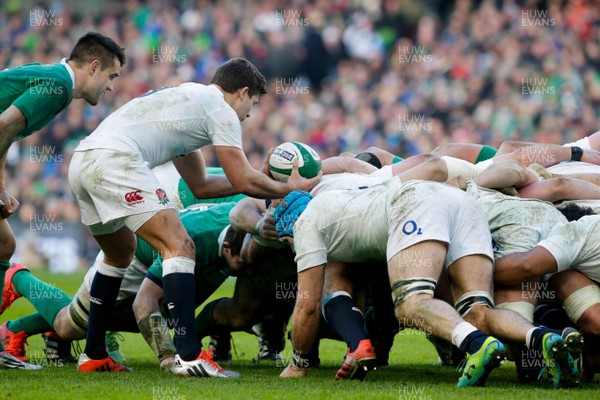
pixel 249 215
pixel 247 180
pixel 518 267
pixel 305 321
pixel 339 164
pixel 505 174
pixel 548 155
pixel 558 189
pixel 192 169
pixel 12 122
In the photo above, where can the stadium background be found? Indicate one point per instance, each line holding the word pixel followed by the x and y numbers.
pixel 343 75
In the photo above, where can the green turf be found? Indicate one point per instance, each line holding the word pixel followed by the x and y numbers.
pixel 413 375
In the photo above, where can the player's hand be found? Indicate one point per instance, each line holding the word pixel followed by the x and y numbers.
pixel 265 167
pixel 509 191
pixel 294 372
pixel 297 182
pixel 8 205
pixel 267 226
pixel 591 156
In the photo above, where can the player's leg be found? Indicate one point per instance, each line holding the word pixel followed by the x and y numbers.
pixel 45 298
pixel 580 297
pixel 474 303
pixel 413 273
pixel 342 313
pixel 433 169
pixel 153 326
pixel 7 248
pixel 118 248
pixel 464 151
pixel 505 174
pixel 383 156
pixel 165 233
pixel 510 146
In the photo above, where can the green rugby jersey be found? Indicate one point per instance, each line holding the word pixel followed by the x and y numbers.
pixel 187 197
pixel 41 92
pixel 204 227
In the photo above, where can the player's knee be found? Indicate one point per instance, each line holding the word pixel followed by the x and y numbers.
pixel 64 327
pixel 474 306
pixel 409 292
pixel 122 254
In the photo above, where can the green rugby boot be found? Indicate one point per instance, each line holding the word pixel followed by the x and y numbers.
pixel 477 366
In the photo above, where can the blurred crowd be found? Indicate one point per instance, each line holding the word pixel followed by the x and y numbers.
pixel 405 75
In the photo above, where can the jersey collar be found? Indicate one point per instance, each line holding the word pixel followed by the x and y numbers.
pixel 69 70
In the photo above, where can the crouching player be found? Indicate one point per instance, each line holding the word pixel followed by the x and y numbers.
pixel 216 257
pixel 405 224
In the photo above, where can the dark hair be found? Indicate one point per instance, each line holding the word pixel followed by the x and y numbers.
pixel 235 240
pixel 238 73
pixel 369 158
pixel 573 211
pixel 96 46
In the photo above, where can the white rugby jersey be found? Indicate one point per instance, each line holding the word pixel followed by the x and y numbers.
pixel 167 123
pixel 347 180
pixel 347 225
pixel 516 224
pixel 576 245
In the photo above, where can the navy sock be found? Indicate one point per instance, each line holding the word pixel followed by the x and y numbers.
pixel 103 295
pixel 343 315
pixel 537 337
pixel 180 291
pixel 473 342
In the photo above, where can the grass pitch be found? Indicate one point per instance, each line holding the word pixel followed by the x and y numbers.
pixel 413 374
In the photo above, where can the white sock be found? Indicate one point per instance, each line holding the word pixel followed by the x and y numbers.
pixel 460 332
pixel 178 265
pixel 528 337
pixel 109 270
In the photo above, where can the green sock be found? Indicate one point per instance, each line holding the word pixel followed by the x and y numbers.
pixel 32 324
pixel 47 299
pixel 4 265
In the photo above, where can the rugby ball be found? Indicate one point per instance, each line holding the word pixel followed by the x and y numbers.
pixel 282 159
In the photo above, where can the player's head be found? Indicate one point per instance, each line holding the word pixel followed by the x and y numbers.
pixel 241 83
pixel 288 211
pixel 573 212
pixel 98 60
pixel 232 248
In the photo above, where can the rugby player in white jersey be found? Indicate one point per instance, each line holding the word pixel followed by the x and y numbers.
pixel 418 221
pixel 118 194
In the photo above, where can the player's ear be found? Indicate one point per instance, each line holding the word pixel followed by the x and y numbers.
pixel 242 92
pixel 94 67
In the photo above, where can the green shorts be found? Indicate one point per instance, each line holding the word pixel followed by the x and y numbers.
pixel 397 159
pixel 486 153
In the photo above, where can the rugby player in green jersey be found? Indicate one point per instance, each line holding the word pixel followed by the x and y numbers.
pixel 217 257
pixel 30 97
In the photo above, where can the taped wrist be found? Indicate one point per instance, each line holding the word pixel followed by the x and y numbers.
pixel 576 153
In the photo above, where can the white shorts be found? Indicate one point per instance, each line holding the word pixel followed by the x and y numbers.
pixel 115 189
pixel 169 178
pixel 80 304
pixel 438 212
